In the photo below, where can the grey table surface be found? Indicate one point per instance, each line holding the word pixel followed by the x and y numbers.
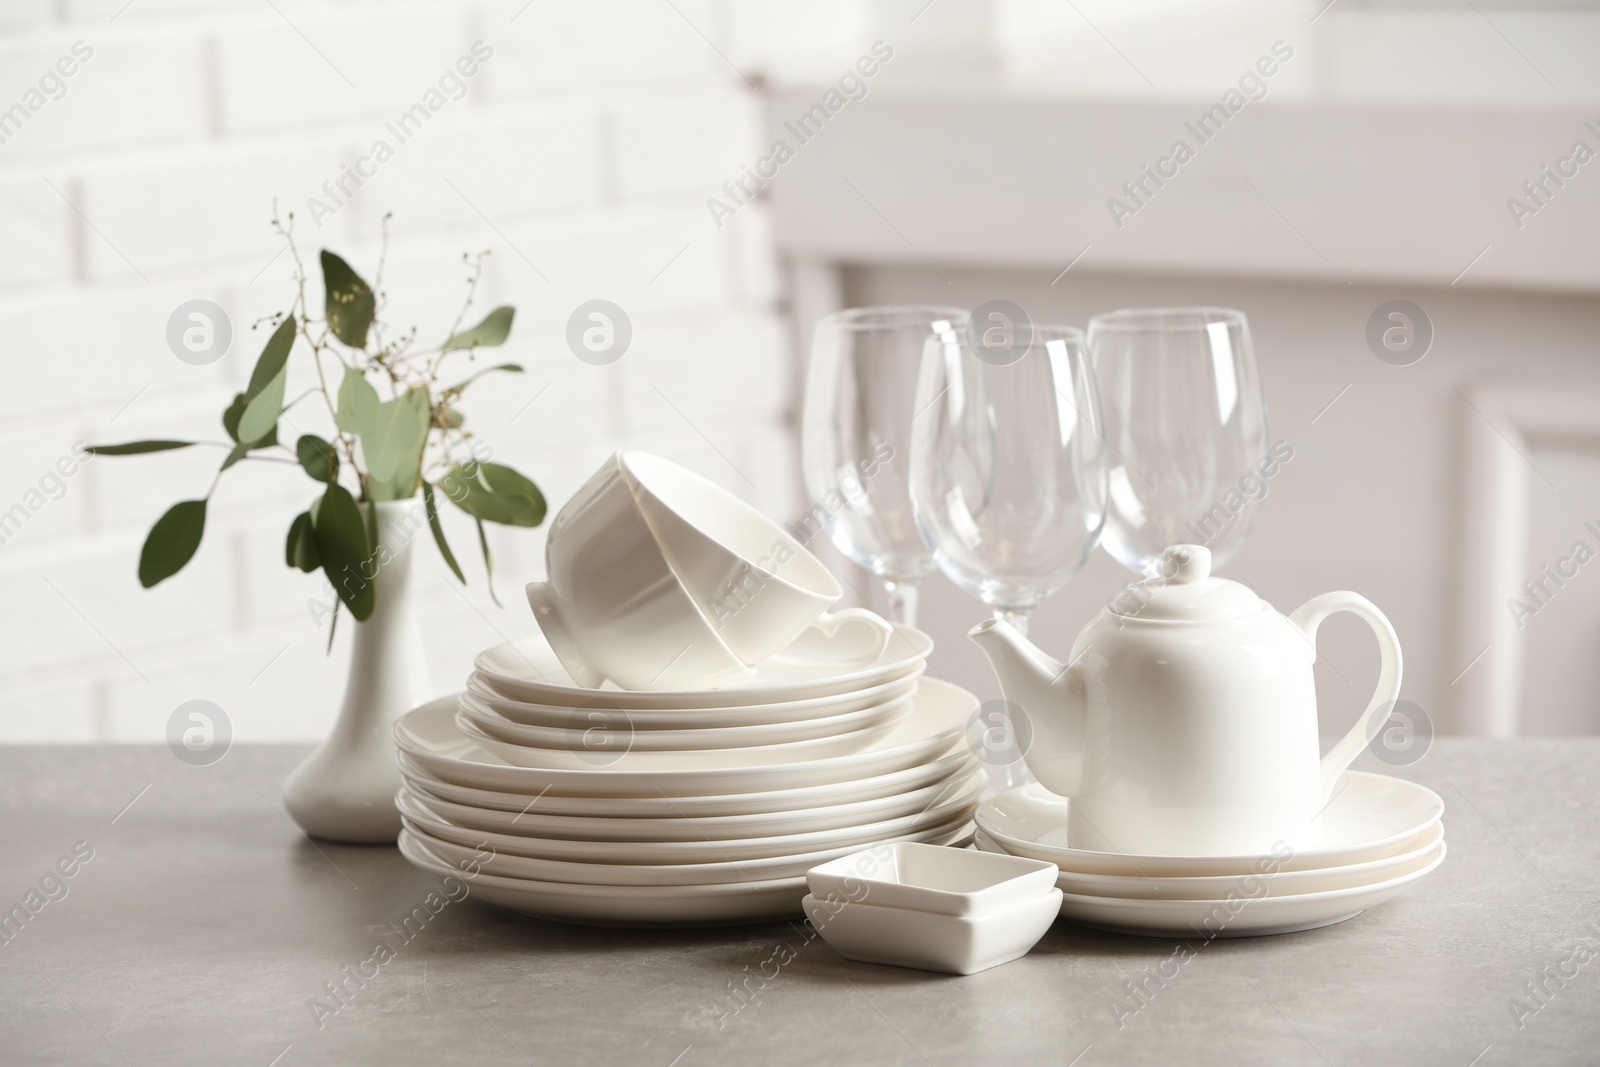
pixel 204 926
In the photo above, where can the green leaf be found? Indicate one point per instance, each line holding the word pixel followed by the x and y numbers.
pixel 438 533
pixel 342 545
pixel 393 441
pixel 318 457
pixel 264 396
pixel 348 304
pixel 260 416
pixel 495 493
pixel 134 448
pixel 238 451
pixel 231 417
pixel 358 402
pixel 301 550
pixel 509 368
pixel 274 357
pixel 172 542
pixel 493 330
pixel 452 418
pixel 488 562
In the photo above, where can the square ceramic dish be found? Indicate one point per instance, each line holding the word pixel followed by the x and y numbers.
pixel 901 937
pixel 931 878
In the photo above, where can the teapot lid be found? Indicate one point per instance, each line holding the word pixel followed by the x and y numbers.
pixel 1185 591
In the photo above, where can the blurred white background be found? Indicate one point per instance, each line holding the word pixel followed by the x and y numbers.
pixel 1377 163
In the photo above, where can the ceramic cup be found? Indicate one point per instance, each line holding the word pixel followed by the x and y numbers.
pixel 612 606
pixel 759 587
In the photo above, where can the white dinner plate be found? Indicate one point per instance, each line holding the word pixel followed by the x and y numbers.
pixel 813 666
pixel 596 730
pixel 511 865
pixel 1370 816
pixel 728 904
pixel 942 815
pixel 801 799
pixel 559 716
pixel 1274 883
pixel 1240 917
pixel 936 725
pixel 535 822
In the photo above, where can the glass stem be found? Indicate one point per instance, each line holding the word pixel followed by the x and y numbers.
pixel 902 601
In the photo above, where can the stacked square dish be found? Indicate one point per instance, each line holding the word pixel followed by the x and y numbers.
pixel 620 807
pixel 1379 836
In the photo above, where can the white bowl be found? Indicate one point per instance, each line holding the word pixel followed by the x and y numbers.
pixel 954 944
pixel 948 881
pixel 758 586
pixel 612 606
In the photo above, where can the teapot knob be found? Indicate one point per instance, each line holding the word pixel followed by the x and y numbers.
pixel 1182 564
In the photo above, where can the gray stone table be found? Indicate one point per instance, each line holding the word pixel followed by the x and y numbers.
pixel 203 925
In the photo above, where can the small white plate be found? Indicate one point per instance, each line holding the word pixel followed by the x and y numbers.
pixel 904 937
pixel 942 816
pixel 1239 916
pixel 1371 816
pixel 813 666
pixel 936 725
pixel 511 865
pixel 658 807
pixel 536 822
pixel 1276 883
pixel 668 719
pixel 947 881
pixel 729 904
pixel 596 730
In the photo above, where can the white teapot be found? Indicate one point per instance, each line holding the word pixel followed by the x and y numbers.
pixel 1185 723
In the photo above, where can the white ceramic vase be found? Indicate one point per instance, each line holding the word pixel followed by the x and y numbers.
pixel 344 791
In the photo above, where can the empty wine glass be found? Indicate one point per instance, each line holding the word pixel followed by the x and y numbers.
pixel 855 434
pixel 1187 430
pixel 1008 467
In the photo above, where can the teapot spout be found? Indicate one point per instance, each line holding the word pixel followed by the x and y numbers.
pixel 1051 697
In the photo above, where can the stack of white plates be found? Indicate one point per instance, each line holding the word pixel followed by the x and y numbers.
pixel 653 808
pixel 1379 835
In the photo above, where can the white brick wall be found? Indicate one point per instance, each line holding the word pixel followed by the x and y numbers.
pixel 587 146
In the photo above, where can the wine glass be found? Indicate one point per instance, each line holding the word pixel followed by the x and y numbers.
pixel 855 440
pixel 1187 430
pixel 1008 465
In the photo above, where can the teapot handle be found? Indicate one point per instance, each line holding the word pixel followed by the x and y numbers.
pixel 1308 617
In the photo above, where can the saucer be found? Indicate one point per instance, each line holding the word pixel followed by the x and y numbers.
pixel 814 665
pixel 935 726
pixel 1238 916
pixel 1371 816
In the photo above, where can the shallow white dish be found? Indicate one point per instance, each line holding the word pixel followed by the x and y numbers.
pixel 902 937
pixel 729 904
pixel 1241 917
pixel 649 720
pixel 813 666
pixel 938 818
pixel 1370 816
pixel 656 806
pixel 1277 884
pixel 946 881
pixel 935 726
pixel 538 868
pixel 598 731
pixel 535 822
